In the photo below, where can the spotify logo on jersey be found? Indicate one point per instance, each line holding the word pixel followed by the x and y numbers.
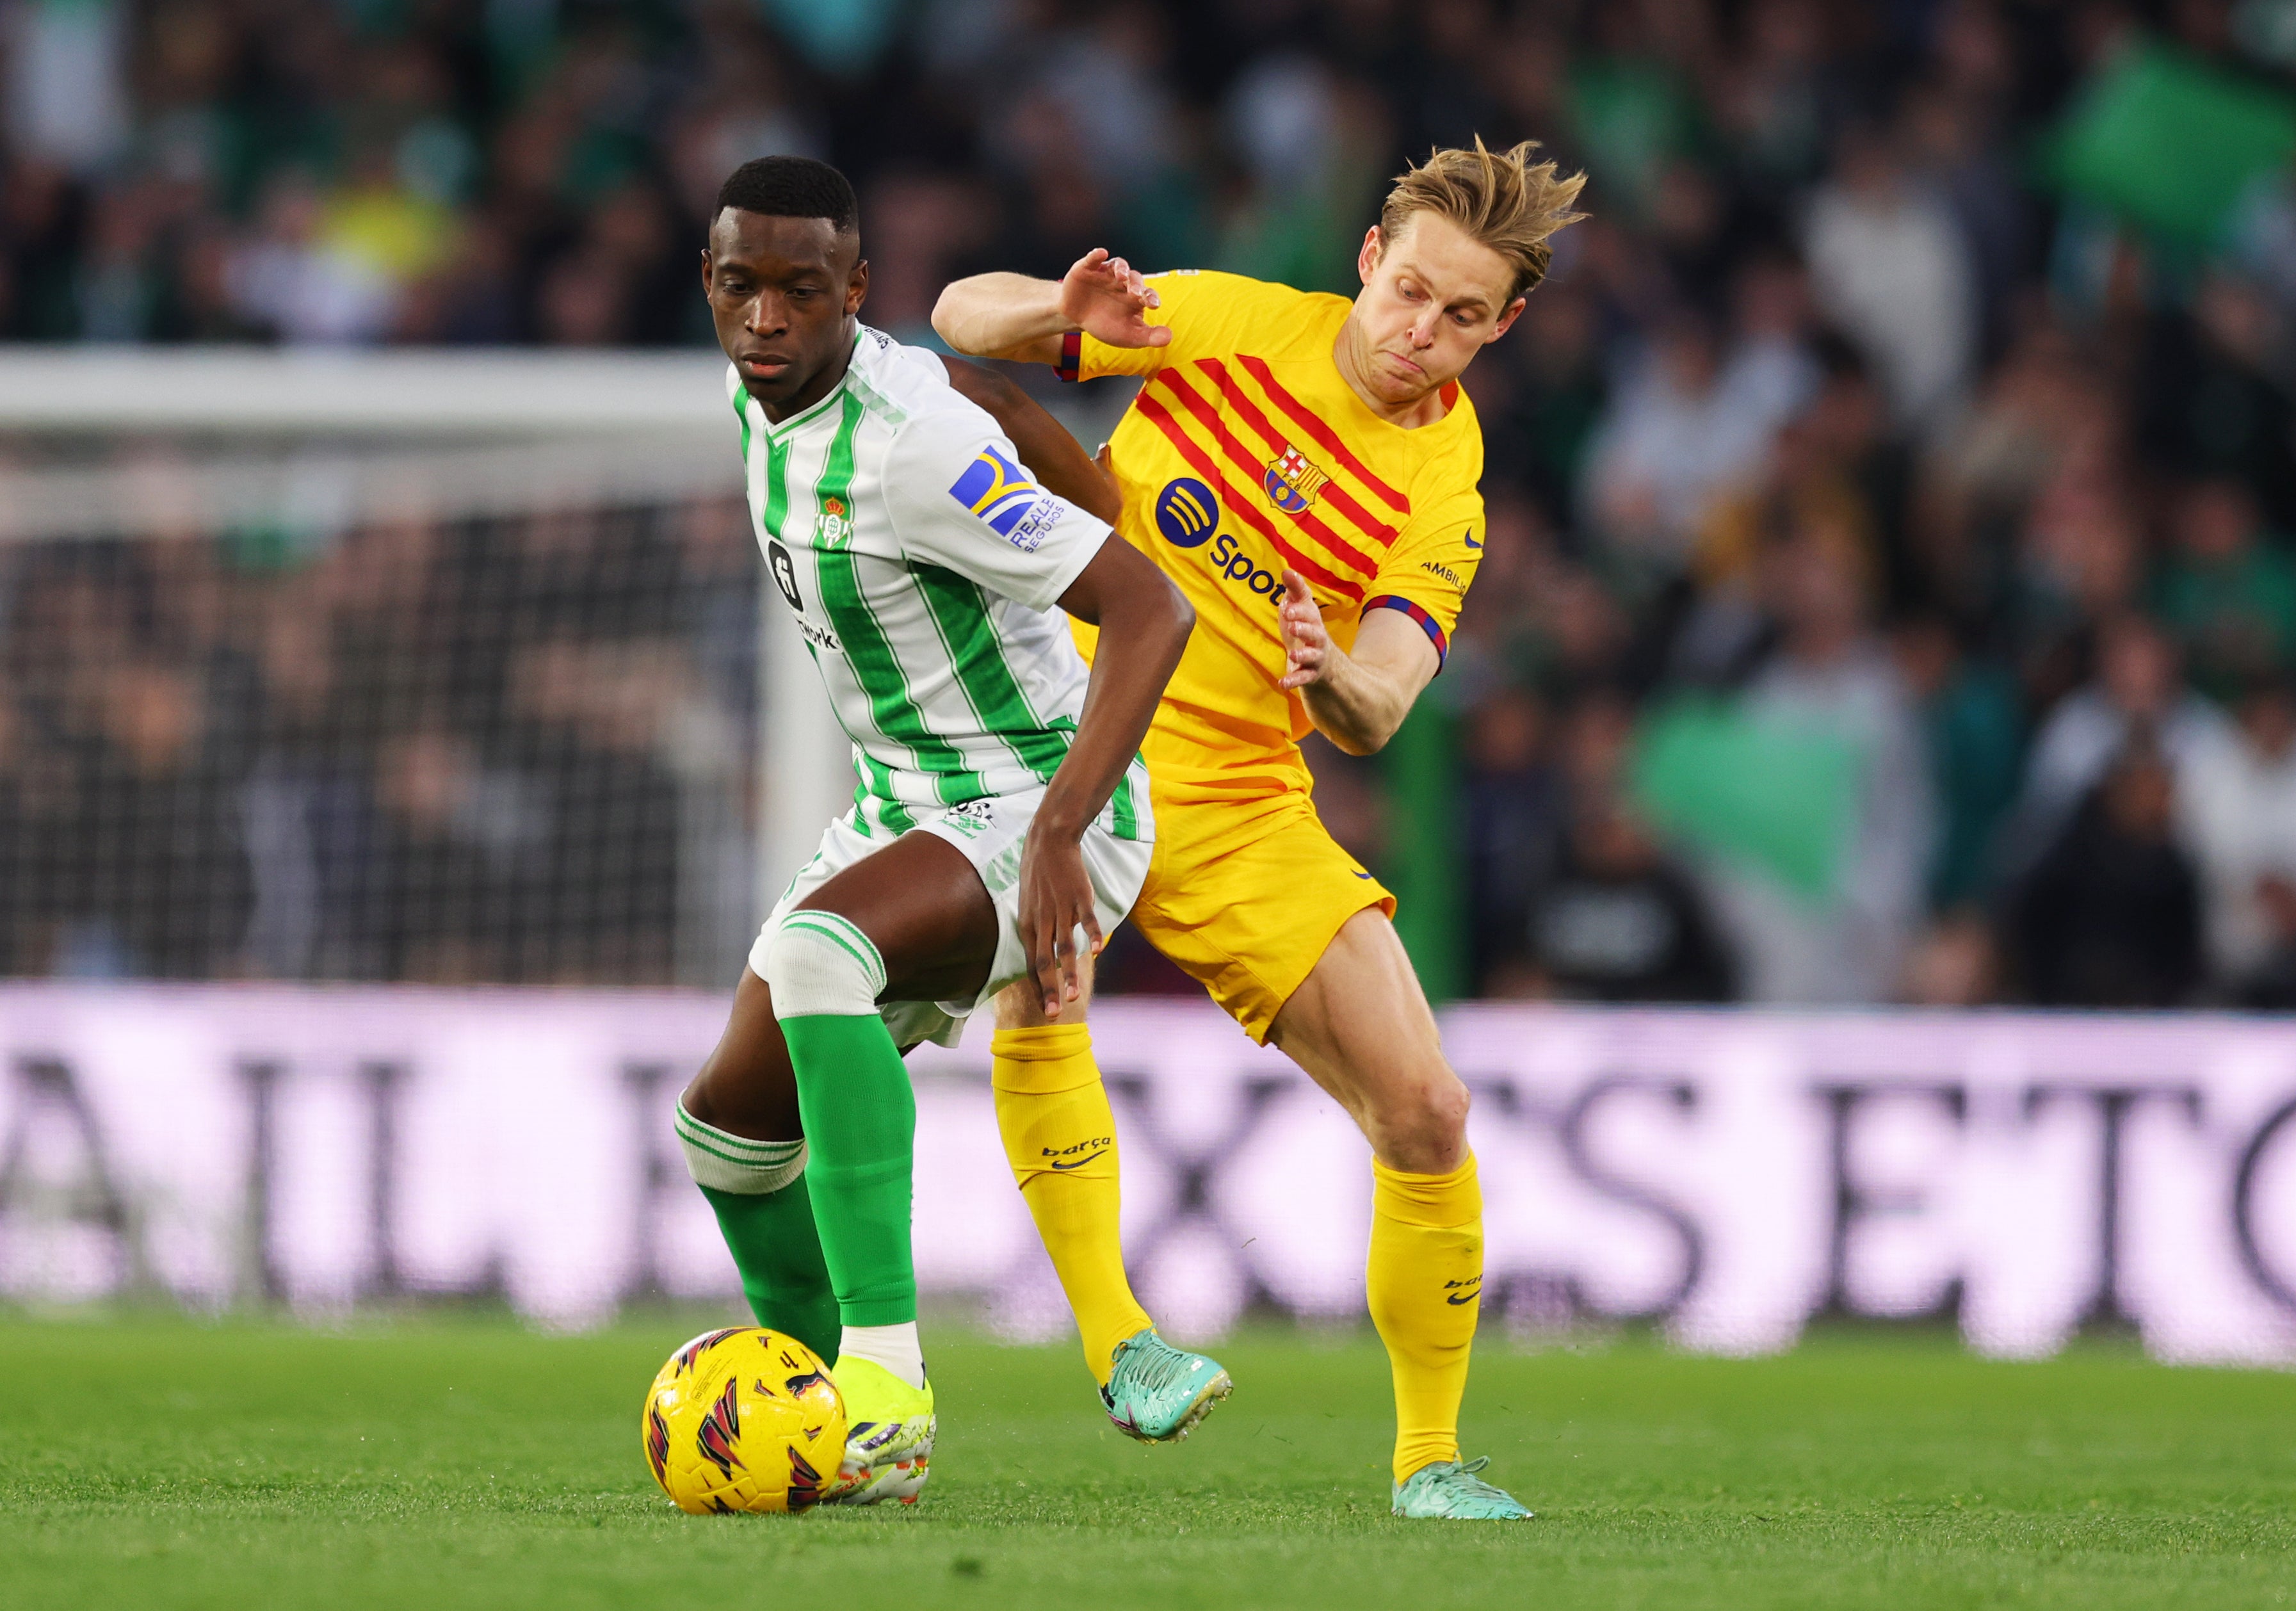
pixel 1186 512
pixel 1188 516
pixel 1235 565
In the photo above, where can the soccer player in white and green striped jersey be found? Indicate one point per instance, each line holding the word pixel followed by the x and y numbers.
pixel 1001 805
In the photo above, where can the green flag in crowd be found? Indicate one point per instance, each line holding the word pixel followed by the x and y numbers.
pixel 1771 795
pixel 2169 143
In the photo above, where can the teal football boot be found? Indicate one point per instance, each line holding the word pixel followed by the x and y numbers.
pixel 1451 1490
pixel 1157 1393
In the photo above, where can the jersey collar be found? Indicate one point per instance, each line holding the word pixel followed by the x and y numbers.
pixel 797 422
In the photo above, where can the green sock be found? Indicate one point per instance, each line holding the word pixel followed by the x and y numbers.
pixel 860 1128
pixel 778 1252
pixel 758 1190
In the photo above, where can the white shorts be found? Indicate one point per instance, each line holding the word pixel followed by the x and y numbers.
pixel 990 833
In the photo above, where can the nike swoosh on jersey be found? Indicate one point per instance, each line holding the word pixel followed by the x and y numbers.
pixel 1080 1162
pixel 1471 543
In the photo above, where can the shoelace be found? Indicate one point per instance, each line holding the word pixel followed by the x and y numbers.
pixel 1472 1486
pixel 1165 1366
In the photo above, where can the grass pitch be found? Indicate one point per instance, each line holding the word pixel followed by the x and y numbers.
pixel 452 1464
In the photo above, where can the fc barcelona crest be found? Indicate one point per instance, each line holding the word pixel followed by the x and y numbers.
pixel 1292 481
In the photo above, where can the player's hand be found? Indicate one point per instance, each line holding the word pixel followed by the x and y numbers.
pixel 1055 902
pixel 1107 463
pixel 1105 299
pixel 1308 647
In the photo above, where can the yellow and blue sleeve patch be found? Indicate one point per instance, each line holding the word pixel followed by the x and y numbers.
pixel 997 489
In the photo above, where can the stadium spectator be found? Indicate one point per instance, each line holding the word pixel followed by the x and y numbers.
pixel 1513 815
pixel 2138 688
pixel 1955 962
pixel 36 792
pixel 1621 921
pixel 164 890
pixel 1975 727
pixel 2110 915
pixel 1683 429
pixel 2213 394
pixel 1889 263
pixel 1540 399
pixel 2237 817
pixel 1832 677
pixel 2228 594
pixel 439 906
pixel 291 281
pixel 1980 478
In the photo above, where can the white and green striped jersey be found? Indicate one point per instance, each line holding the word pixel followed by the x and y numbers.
pixel 924 568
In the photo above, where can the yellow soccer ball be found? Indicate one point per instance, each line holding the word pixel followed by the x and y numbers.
pixel 744 1419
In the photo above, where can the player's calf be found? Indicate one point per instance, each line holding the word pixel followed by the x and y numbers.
pixel 1060 1137
pixel 737 1124
pixel 1361 1028
pixel 825 975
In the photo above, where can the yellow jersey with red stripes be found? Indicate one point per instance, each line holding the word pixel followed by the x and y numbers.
pixel 1245 454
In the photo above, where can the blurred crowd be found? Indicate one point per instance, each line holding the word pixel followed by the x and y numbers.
pixel 1890 586
pixel 504 750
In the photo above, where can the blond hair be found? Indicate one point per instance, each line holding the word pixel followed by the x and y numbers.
pixel 1502 199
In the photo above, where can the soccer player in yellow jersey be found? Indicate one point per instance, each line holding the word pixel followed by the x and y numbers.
pixel 1305 468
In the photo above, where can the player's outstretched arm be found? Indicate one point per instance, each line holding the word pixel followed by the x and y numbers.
pixel 1054 457
pixel 1355 699
pixel 1011 316
pixel 1143 625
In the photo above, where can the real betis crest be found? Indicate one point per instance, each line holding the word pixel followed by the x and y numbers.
pixel 835 528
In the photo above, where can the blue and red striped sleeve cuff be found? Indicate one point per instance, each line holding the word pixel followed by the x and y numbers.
pixel 1427 623
pixel 1071 356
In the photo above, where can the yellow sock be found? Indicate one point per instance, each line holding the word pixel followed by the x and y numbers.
pixel 1426 1283
pixel 1061 1139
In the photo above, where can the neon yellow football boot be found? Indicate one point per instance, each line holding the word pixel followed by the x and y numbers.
pixel 888 1436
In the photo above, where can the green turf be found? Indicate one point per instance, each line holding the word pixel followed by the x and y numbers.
pixel 442 1464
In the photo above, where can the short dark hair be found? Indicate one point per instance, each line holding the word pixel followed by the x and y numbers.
pixel 791 187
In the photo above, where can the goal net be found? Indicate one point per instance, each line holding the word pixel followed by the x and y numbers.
pixel 385 666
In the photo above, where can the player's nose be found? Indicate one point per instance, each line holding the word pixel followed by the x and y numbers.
pixel 767 314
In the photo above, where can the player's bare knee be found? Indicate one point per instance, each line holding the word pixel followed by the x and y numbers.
pixel 1420 1125
pixel 714 1092
pixel 1021 1005
pixel 695 1098
pixel 1447 1102
pixel 745 1087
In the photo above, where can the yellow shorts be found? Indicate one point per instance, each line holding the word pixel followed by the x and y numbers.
pixel 1245 896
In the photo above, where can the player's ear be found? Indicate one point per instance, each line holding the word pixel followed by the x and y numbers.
pixel 1374 247
pixel 707 267
pixel 1506 320
pixel 857 287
